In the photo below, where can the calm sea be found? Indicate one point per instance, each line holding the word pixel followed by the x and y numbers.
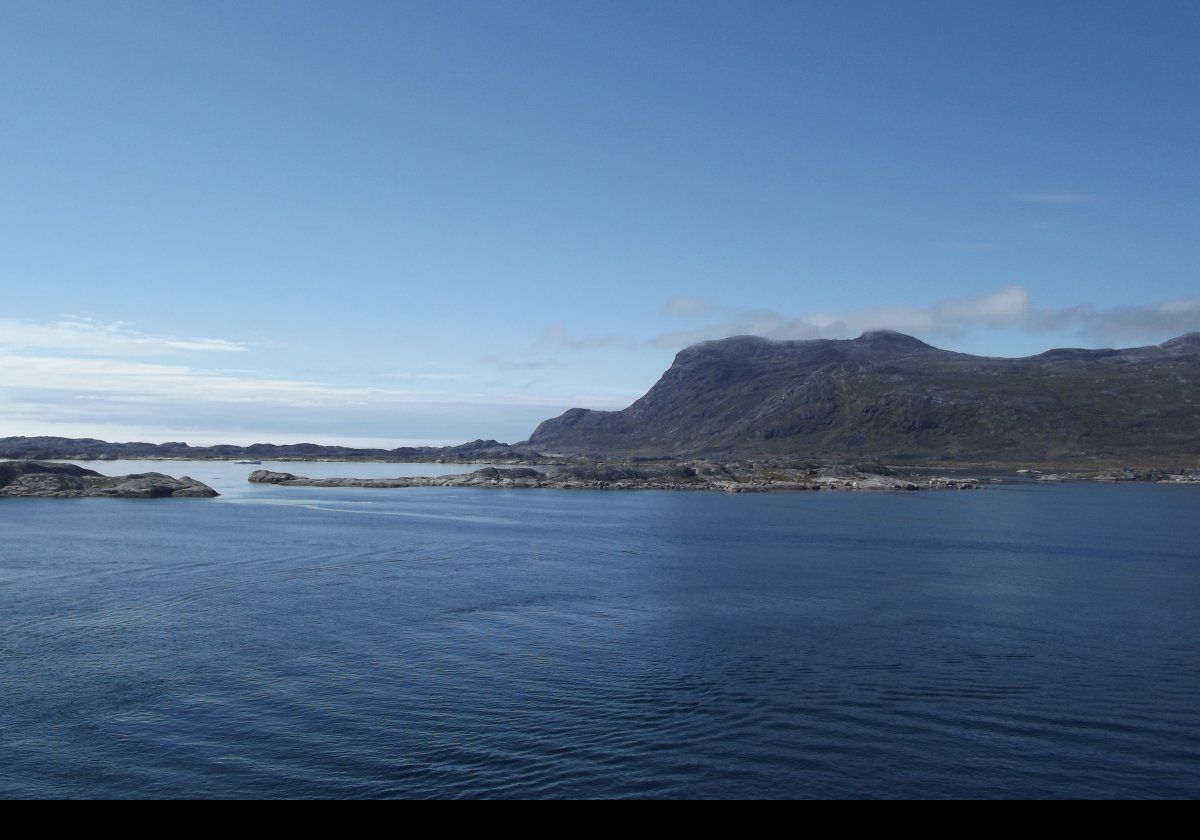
pixel 1019 641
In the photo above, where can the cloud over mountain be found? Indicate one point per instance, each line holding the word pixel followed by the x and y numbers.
pixel 1010 307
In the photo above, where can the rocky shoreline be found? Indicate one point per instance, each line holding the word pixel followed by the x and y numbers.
pixel 38 480
pixel 1114 476
pixel 694 475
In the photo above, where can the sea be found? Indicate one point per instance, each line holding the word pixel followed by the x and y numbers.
pixel 1021 641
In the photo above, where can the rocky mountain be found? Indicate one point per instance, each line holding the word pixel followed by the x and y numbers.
pixel 890 396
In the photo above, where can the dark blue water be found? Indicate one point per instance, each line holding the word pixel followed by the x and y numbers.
pixel 1021 641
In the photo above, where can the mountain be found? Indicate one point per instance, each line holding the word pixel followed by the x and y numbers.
pixel 891 396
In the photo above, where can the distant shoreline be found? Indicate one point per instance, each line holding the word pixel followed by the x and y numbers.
pixel 708 476
pixel 491 452
pixel 58 479
pixel 1162 465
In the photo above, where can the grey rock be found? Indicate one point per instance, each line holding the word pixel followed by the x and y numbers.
pixel 34 479
pixel 728 478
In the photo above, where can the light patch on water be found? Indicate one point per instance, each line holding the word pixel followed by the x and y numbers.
pixel 288 502
pixel 313 504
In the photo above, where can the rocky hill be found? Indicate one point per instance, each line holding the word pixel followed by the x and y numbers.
pixel 890 396
pixel 32 479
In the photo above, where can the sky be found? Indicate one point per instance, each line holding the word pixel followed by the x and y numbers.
pixel 388 223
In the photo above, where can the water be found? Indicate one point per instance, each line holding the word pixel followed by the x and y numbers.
pixel 1020 641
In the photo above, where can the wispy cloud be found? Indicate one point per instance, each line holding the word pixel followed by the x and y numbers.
pixel 555 336
pixel 685 306
pixel 133 381
pixel 85 337
pixel 54 394
pixel 1006 308
pixel 422 377
pixel 1122 323
pixel 1051 197
pixel 493 361
pixel 80 377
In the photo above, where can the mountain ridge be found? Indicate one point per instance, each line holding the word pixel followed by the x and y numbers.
pixel 892 396
pixel 884 396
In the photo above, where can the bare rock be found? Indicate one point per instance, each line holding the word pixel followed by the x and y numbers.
pixel 37 479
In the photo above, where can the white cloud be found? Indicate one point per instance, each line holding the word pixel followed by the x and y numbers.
pixel 1008 308
pixel 1003 308
pixel 1132 323
pixel 84 337
pixel 132 381
pixel 82 378
pixel 206 431
pixel 127 399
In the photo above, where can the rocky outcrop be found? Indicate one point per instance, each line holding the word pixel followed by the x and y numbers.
pixel 1175 476
pixel 698 475
pixel 486 477
pixel 33 479
pixel 892 397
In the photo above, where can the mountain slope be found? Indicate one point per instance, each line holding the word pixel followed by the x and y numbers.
pixel 887 395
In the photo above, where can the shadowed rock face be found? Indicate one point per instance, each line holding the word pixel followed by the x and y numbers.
pixel 887 395
pixel 33 479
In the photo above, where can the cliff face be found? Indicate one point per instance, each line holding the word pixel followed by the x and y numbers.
pixel 887 395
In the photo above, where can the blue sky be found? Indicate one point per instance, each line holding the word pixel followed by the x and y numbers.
pixel 390 222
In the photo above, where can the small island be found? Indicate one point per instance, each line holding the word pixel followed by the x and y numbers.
pixel 37 479
pixel 737 477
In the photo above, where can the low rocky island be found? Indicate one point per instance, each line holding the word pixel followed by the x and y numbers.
pixel 689 475
pixel 36 479
pixel 1176 476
